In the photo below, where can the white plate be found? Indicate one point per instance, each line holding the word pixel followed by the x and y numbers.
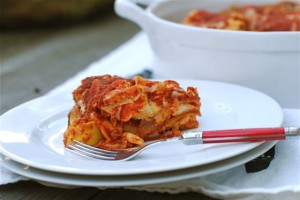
pixel 32 133
pixel 132 180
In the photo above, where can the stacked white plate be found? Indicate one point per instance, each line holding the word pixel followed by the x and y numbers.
pixel 31 137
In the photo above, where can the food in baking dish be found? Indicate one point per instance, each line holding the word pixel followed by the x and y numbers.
pixel 281 16
pixel 111 112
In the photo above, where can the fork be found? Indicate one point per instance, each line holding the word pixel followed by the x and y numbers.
pixel 188 138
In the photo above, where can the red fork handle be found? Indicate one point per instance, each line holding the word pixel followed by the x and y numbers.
pixel 243 135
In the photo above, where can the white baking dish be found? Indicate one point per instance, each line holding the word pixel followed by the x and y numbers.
pixel 266 61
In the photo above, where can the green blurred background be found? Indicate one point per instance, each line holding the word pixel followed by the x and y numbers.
pixel 45 42
pixel 41 13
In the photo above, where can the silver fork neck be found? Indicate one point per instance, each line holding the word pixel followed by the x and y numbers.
pixel 292 131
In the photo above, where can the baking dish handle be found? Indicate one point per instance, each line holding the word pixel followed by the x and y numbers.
pixel 131 11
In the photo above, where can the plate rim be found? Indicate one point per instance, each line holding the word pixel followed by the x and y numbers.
pixel 58 178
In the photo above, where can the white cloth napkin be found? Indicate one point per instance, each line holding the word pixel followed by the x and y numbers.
pixel 280 181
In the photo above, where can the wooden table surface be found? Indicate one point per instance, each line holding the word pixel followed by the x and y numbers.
pixel 35 61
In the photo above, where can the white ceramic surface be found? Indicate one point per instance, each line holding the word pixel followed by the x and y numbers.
pixel 32 133
pixel 266 61
pixel 132 180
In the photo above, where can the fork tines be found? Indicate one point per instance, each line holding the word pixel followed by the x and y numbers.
pixel 90 151
pixel 102 154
